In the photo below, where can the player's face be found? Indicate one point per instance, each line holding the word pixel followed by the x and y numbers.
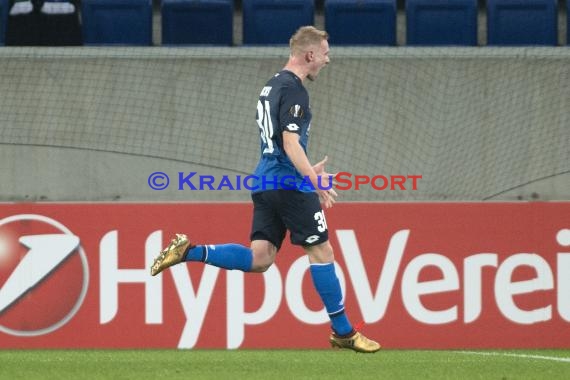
pixel 320 58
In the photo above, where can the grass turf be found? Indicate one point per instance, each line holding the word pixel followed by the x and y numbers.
pixel 282 364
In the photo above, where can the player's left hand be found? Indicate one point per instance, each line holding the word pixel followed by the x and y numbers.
pixel 327 181
pixel 326 178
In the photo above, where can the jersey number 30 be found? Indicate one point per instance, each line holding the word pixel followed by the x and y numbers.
pixel 266 126
pixel 321 221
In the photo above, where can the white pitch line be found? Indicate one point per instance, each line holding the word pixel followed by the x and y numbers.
pixel 522 356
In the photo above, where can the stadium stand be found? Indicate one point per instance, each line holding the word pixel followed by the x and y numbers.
pixel 522 22
pixel 567 22
pixel 117 22
pixel 45 23
pixel 190 22
pixel 272 22
pixel 441 22
pixel 3 19
pixel 361 22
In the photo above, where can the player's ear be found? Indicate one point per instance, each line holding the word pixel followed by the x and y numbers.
pixel 309 56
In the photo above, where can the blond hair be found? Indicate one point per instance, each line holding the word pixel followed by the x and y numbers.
pixel 305 37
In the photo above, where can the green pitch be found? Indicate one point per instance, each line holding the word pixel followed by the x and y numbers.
pixel 281 364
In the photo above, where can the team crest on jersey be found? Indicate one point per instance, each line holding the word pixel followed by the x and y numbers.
pixel 296 111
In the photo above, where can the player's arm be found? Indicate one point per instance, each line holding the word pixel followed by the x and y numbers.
pixel 297 155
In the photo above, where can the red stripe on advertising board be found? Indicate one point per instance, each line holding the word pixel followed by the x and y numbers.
pixel 421 275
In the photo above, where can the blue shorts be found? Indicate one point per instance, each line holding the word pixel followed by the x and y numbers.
pixel 276 211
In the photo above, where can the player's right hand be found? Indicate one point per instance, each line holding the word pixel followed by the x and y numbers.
pixel 327 197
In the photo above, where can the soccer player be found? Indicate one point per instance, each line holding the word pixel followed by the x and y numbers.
pixel 284 120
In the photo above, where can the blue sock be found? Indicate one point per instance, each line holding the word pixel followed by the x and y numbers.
pixel 227 256
pixel 327 285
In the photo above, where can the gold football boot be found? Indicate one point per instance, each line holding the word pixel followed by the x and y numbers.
pixel 173 254
pixel 356 342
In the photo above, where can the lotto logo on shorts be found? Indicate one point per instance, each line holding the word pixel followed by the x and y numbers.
pixel 312 239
